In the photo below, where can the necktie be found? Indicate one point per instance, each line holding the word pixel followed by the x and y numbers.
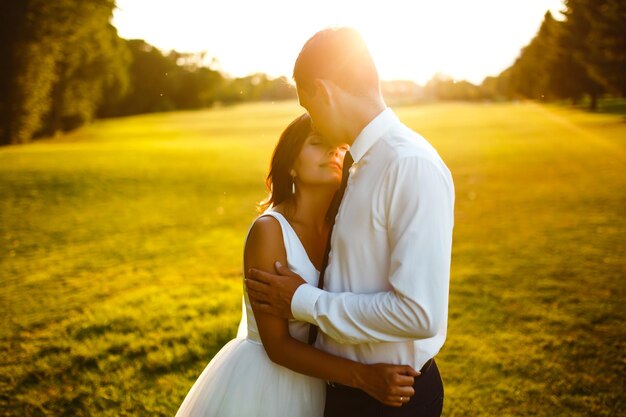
pixel 332 213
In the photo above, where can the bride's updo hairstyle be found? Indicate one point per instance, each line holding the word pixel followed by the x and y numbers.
pixel 279 181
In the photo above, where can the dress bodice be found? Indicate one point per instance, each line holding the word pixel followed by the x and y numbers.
pixel 298 261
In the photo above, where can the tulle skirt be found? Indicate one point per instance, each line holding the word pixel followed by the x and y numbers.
pixel 242 381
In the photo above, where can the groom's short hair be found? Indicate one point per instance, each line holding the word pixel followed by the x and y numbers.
pixel 340 55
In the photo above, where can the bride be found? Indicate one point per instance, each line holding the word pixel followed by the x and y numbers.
pixel 269 369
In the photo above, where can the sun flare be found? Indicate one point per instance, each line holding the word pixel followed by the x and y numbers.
pixel 409 40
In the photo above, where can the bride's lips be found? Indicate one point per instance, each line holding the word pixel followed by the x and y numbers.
pixel 332 164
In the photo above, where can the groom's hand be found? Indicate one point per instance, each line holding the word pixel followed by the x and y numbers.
pixel 390 384
pixel 270 293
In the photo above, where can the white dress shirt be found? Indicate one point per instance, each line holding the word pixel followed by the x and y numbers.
pixel 385 296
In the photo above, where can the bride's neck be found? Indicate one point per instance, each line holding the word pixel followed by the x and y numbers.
pixel 311 206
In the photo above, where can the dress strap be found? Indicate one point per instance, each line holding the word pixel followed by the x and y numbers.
pixel 294 249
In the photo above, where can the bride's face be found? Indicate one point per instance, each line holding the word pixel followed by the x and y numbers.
pixel 319 162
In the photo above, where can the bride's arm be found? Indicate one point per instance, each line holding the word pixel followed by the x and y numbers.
pixel 386 383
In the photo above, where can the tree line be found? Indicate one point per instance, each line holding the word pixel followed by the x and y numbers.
pixel 175 81
pixel 583 55
pixel 64 65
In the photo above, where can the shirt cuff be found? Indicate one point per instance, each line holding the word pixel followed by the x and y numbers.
pixel 303 303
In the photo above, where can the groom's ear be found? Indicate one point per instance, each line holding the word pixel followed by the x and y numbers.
pixel 324 89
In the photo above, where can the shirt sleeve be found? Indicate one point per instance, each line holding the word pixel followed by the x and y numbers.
pixel 419 209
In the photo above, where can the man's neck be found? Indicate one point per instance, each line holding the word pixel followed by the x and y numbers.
pixel 361 113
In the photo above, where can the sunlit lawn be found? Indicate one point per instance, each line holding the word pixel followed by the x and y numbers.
pixel 120 258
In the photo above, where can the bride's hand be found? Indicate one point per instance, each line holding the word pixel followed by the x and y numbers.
pixel 390 384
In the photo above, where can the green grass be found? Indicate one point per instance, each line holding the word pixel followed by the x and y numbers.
pixel 121 245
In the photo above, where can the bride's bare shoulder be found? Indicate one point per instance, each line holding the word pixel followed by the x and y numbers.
pixel 266 226
pixel 265 239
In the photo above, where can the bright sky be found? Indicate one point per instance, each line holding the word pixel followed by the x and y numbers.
pixel 409 39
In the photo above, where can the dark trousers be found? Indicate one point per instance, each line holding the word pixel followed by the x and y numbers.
pixel 342 401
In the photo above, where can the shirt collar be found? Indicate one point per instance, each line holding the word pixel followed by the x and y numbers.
pixel 372 132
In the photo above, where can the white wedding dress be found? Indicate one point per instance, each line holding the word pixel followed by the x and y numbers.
pixel 241 380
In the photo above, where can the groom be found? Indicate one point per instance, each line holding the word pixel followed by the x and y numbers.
pixel 385 296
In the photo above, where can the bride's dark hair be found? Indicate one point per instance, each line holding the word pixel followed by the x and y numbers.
pixel 279 181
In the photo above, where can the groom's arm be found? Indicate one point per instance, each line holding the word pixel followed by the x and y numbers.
pixel 420 216
pixel 419 210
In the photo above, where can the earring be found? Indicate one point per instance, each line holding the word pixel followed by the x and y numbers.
pixel 293 185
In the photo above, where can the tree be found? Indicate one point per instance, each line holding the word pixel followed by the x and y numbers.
pixel 255 87
pixel 95 64
pixel 561 62
pixel 150 75
pixel 194 85
pixel 600 29
pixel 529 75
pixel 60 55
pixel 443 87
pixel 163 82
pixel 568 78
pixel 30 63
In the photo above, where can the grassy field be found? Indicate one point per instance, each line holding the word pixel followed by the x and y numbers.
pixel 121 243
